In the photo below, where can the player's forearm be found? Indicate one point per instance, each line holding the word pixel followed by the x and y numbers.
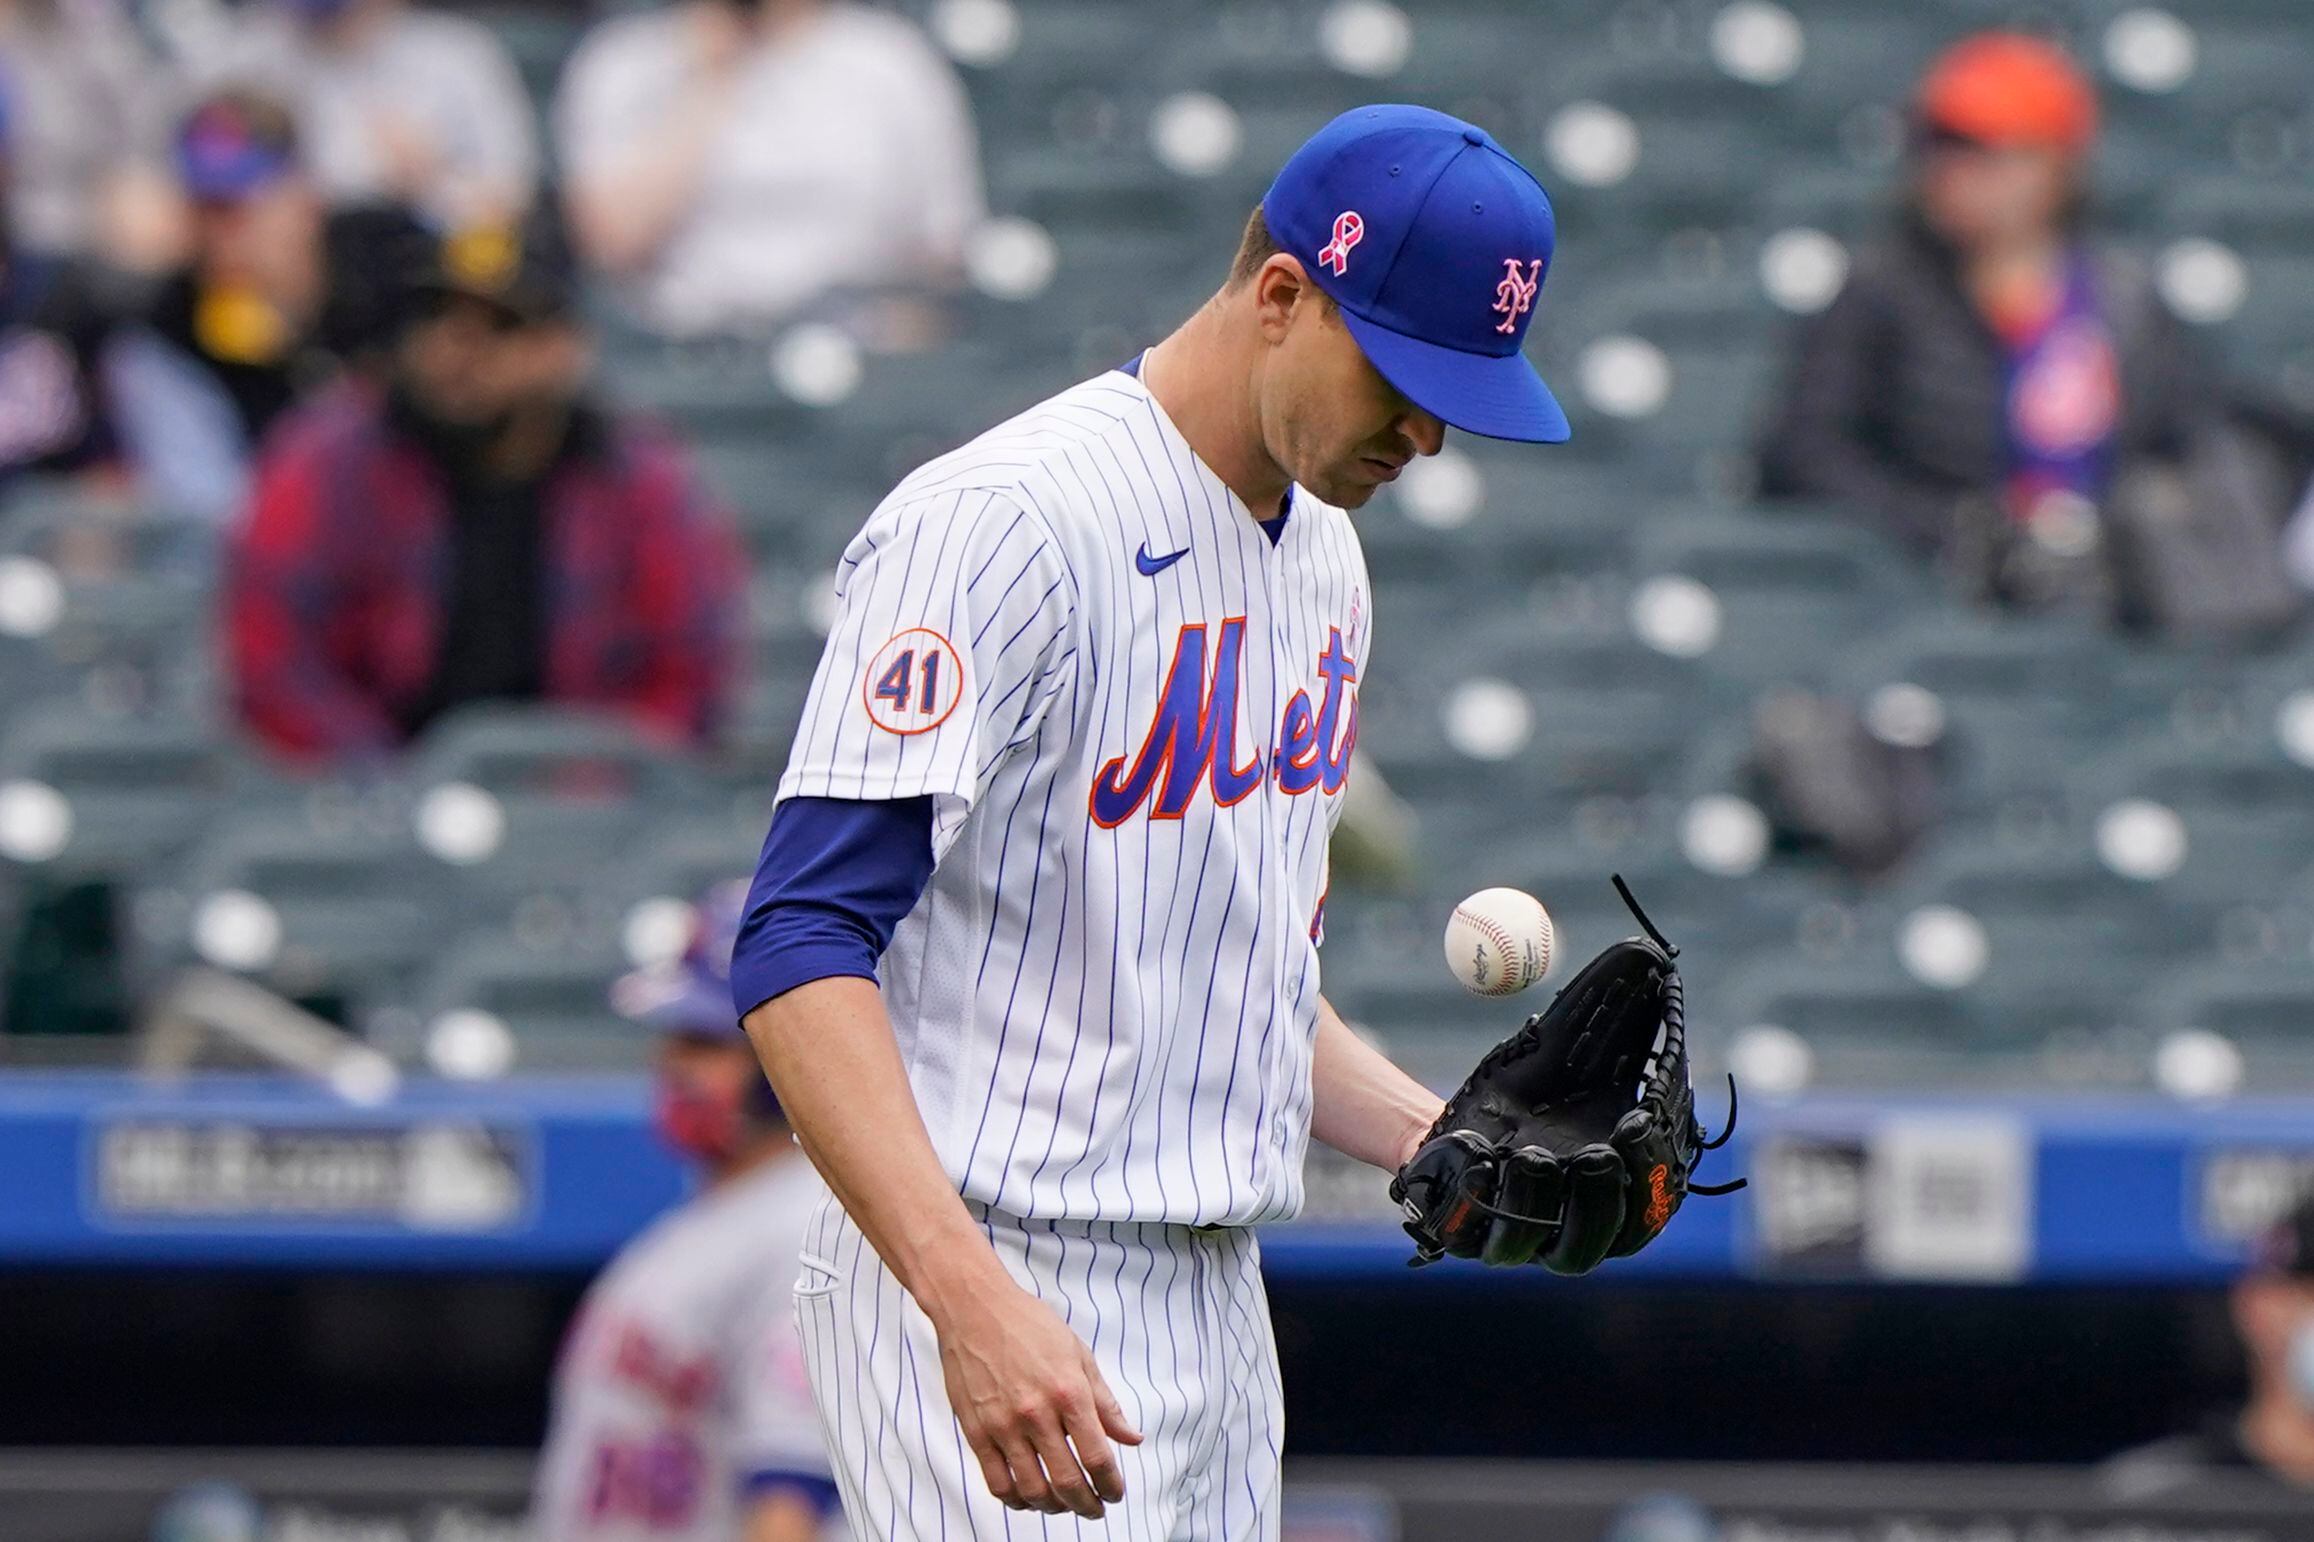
pixel 829 1051
pixel 1361 1104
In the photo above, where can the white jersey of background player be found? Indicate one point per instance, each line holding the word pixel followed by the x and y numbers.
pixel 1031 953
pixel 681 1408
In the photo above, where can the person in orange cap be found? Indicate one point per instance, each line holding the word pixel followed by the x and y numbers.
pixel 1988 380
pixel 2005 123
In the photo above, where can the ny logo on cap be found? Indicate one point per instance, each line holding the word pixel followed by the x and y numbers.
pixel 1349 230
pixel 1515 295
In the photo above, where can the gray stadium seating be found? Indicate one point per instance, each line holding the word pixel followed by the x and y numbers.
pixel 360 907
pixel 2048 723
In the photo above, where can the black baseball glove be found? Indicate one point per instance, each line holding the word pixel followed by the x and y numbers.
pixel 1572 1141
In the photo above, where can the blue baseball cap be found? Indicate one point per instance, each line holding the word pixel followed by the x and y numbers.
pixel 691 994
pixel 232 145
pixel 1433 241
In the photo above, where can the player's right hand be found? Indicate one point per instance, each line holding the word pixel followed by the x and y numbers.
pixel 1033 1405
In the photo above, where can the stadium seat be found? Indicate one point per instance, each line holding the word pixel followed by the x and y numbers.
pixel 707 386
pixel 2245 811
pixel 2020 697
pixel 1458 63
pixel 2250 213
pixel 1064 44
pixel 1567 715
pixel 1694 169
pixel 1120 196
pixel 681 853
pixel 339 910
pixel 2273 331
pixel 1564 855
pixel 795 509
pixel 108 603
pixel 1535 516
pixel 555 1001
pixel 910 408
pixel 88 533
pixel 1791 591
pixel 2064 940
pixel 1845 201
pixel 125 790
pixel 1865 1024
pixel 530 802
pixel 1867 58
pixel 31 672
pixel 2264 1009
pixel 2247 64
pixel 504 746
pixel 1713 342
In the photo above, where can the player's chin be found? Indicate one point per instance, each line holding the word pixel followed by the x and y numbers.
pixel 1353 488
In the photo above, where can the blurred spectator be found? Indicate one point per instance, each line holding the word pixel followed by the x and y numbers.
pixel 226 345
pixel 2272 1434
pixel 477 528
pixel 371 252
pixel 55 317
pixel 2013 400
pixel 88 115
pixel 732 161
pixel 393 102
pixel 245 301
pixel 273 293
pixel 681 1408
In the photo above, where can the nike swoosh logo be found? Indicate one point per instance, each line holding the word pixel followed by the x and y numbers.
pixel 1152 566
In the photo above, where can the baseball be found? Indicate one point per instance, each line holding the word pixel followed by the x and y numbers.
pixel 1498 942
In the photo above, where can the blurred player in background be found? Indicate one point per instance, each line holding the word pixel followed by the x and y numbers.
pixel 681 1408
pixel 2272 1434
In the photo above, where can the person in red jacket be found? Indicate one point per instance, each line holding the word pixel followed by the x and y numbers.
pixel 476 528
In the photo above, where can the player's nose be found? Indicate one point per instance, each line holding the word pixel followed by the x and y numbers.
pixel 1424 431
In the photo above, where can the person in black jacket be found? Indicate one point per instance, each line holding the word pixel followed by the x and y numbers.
pixel 1989 383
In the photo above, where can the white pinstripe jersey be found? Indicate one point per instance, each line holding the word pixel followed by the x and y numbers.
pixel 1134 713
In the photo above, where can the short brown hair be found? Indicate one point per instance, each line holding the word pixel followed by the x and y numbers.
pixel 1255 247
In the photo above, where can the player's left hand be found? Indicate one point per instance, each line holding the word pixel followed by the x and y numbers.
pixel 1572 1141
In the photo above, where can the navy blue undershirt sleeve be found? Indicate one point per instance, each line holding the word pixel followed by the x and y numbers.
pixel 836 876
pixel 816 1489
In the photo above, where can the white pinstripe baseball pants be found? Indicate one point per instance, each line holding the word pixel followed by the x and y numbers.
pixel 1178 1320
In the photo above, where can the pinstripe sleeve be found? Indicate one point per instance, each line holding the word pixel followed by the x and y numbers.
pixel 956 628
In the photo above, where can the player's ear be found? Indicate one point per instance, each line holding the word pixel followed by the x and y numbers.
pixel 1280 286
